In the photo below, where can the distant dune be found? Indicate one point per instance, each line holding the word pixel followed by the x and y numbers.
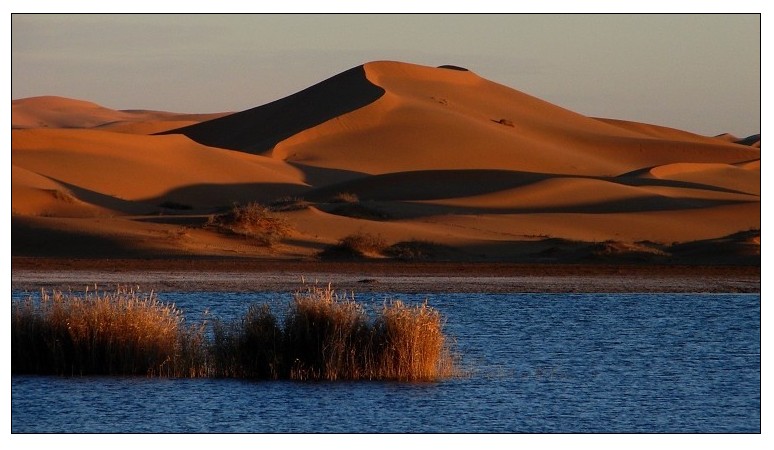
pixel 411 153
pixel 60 112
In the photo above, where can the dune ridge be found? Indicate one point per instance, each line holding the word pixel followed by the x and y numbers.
pixel 439 155
pixel 260 129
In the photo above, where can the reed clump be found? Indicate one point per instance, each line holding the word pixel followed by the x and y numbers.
pixel 109 333
pixel 325 335
pixel 248 348
pixel 412 345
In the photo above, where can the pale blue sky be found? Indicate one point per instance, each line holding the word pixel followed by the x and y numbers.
pixel 700 73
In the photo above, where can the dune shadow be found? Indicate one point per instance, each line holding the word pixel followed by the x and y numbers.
pixel 322 176
pixel 192 199
pixel 206 196
pixel 734 249
pixel 33 238
pixel 413 210
pixel 259 129
pixel 635 178
pixel 107 201
pixel 429 184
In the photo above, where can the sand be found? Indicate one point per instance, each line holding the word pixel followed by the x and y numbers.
pixel 482 171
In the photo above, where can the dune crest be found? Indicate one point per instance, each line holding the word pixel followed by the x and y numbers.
pixel 259 129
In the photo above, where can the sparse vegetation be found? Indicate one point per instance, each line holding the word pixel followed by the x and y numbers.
pixel 254 221
pixel 414 250
pixel 345 197
pixel 286 204
pixel 350 205
pixel 356 245
pixel 62 195
pixel 325 336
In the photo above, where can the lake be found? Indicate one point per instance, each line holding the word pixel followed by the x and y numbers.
pixel 535 363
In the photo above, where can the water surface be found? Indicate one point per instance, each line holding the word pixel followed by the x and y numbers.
pixel 536 363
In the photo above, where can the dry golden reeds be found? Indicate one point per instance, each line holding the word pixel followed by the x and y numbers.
pixel 121 332
pixel 328 336
pixel 249 348
pixel 413 344
pixel 325 336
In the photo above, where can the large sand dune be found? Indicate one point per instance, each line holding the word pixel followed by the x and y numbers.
pixel 432 154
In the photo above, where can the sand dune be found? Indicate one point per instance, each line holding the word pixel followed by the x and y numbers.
pixel 61 112
pixel 444 119
pixel 112 168
pixel 145 126
pixel 34 194
pixel 434 154
pixel 713 174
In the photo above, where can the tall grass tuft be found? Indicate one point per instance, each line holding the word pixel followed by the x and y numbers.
pixel 249 348
pixel 412 345
pixel 122 332
pixel 327 336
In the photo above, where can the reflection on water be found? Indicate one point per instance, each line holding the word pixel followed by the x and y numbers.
pixel 536 362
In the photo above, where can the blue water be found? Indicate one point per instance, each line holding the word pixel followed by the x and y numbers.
pixel 537 363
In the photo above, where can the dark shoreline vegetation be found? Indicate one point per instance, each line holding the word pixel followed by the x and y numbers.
pixel 324 336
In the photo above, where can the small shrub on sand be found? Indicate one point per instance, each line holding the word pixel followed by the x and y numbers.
pixel 345 197
pixel 356 245
pixel 102 333
pixel 255 221
pixel 413 250
pixel 286 204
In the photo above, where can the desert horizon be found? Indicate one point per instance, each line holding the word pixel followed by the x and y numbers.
pixel 426 163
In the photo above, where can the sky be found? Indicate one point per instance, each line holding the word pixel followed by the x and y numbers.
pixel 696 72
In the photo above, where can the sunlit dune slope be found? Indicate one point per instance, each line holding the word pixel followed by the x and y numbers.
pixel 114 170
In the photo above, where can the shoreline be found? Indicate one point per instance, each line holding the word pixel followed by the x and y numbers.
pixel 227 274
